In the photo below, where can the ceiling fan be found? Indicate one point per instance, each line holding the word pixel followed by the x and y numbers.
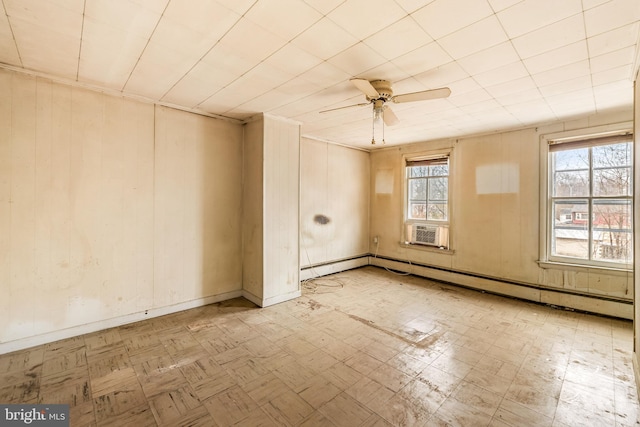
pixel 379 92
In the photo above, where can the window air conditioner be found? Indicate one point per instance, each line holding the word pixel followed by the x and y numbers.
pixel 425 235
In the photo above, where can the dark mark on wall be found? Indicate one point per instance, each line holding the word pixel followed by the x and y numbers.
pixel 321 219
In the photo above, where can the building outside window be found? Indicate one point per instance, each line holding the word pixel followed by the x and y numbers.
pixel 590 201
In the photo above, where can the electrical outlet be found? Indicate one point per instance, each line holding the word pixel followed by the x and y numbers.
pixel 375 239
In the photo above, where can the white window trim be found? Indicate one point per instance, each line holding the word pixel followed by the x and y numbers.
pixel 545 187
pixel 427 155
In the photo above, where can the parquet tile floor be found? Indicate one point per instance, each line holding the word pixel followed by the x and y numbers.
pixel 361 348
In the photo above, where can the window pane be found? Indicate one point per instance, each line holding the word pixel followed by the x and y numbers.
pixel 439 170
pixel 612 215
pixel 417 210
pixel 418 189
pixel 571 184
pixel 570 235
pixel 437 211
pixel 612 236
pixel 438 189
pixel 571 159
pixel 612 155
pixel 418 171
pixel 612 182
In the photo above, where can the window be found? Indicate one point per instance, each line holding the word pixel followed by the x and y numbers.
pixel 427 201
pixel 589 204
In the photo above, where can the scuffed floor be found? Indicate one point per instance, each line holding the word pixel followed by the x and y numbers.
pixel 365 347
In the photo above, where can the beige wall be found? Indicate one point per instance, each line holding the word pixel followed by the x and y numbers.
pixel 495 201
pixel 271 193
pixel 110 208
pixel 334 183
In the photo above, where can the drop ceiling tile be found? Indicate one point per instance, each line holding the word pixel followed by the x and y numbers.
pixel 532 112
pixel 506 73
pixel 373 16
pixel 614 39
pixel 442 76
pixel 285 18
pixel 551 37
pixel 489 59
pixel 590 4
pixel 325 39
pixel 200 83
pixel 399 38
pixel 611 15
pixel 612 75
pixel 523 84
pixel 562 74
pixel 229 61
pixel 618 58
pixel 443 17
pixel 8 50
pixel 574 103
pixel 615 95
pixel 44 49
pixel 411 6
pixel 238 6
pixel 518 97
pixel 567 86
pixel 326 75
pixel 324 6
pixel 386 71
pixel 531 15
pixel 194 37
pixel 498 5
pixel 129 17
pixel 357 59
pixel 157 71
pixel 282 59
pixel 157 6
pixel 464 86
pixel 59 17
pixel 470 98
pixel 558 57
pixel 108 54
pixel 424 58
pixel 252 41
pixel 299 87
pixel 485 34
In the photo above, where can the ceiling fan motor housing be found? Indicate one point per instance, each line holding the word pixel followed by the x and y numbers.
pixel 385 92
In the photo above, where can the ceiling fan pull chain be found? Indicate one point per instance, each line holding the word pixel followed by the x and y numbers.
pixel 383 127
pixel 373 128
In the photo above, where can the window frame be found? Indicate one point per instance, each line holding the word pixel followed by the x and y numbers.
pixel 546 194
pixel 406 221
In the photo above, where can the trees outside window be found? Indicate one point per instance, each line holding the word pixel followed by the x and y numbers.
pixel 591 201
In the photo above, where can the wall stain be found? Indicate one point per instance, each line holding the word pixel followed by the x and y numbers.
pixel 321 219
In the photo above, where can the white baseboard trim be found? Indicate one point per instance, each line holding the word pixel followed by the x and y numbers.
pixel 332 267
pixel 23 343
pixel 266 302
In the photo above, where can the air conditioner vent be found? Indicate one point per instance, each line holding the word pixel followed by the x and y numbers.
pixel 425 234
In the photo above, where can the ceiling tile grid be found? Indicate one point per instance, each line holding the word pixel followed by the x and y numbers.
pixel 508 63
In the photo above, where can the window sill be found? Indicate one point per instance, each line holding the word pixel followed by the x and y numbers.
pixel 426 248
pixel 579 267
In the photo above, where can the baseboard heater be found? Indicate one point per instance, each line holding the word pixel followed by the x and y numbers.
pixel 505 281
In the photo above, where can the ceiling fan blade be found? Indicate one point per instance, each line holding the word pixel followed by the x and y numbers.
pixel 389 116
pixel 362 104
pixel 424 95
pixel 365 87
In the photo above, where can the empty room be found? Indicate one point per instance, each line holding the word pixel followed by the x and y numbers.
pixel 319 212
